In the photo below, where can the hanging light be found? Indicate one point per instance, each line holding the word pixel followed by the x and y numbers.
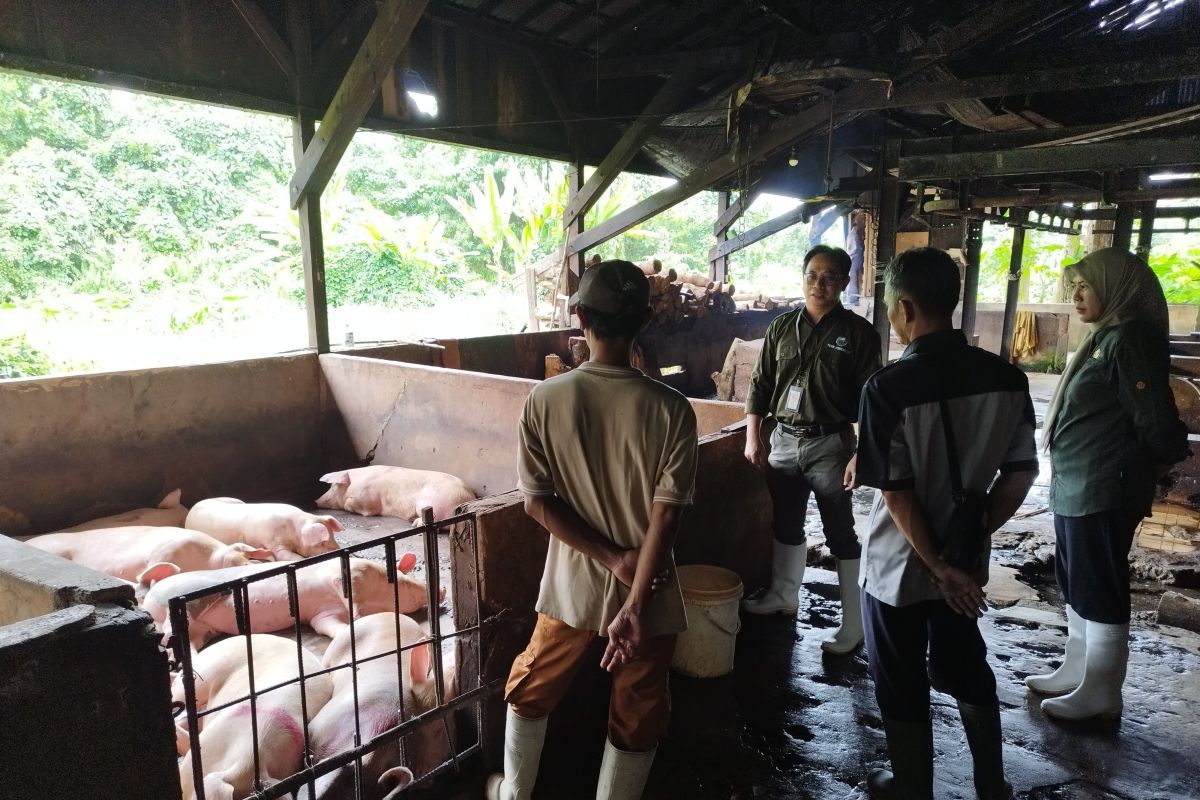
pixel 792 160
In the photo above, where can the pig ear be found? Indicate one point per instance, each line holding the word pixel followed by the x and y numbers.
pixel 217 788
pixel 253 553
pixel 395 780
pixel 314 534
pixel 156 572
pixel 340 478
pixel 408 562
pixel 172 499
pixel 332 524
pixel 418 665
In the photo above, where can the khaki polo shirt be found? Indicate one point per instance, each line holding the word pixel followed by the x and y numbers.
pixel 610 443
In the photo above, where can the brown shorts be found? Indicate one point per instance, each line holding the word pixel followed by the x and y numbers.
pixel 640 706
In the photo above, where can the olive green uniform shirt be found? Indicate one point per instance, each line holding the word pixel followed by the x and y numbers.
pixel 832 359
pixel 1117 422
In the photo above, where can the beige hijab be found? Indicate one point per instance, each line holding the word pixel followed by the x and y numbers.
pixel 1127 289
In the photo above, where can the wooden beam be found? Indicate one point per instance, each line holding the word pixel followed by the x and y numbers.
pixel 377 56
pixel 797 126
pixel 734 211
pixel 976 29
pixel 1094 76
pixel 801 213
pixel 718 268
pixel 972 252
pixel 712 60
pixel 1013 294
pixel 1098 157
pixel 891 192
pixel 663 102
pixel 1146 231
pixel 266 33
pixel 500 33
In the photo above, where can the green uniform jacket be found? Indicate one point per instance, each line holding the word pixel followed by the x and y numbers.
pixel 1117 422
pixel 839 354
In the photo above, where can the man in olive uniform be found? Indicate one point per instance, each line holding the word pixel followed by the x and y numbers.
pixel 809 376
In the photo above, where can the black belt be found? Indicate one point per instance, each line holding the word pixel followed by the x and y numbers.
pixel 812 431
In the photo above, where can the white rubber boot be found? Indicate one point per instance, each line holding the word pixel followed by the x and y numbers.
pixel 849 635
pixel 523 740
pixel 1067 677
pixel 787 574
pixel 1099 695
pixel 623 774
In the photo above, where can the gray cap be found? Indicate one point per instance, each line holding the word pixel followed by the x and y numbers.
pixel 613 287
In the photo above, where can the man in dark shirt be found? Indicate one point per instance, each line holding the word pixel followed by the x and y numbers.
pixel 809 376
pixel 920 611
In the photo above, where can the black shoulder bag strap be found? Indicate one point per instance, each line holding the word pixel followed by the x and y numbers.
pixel 962 544
pixel 956 483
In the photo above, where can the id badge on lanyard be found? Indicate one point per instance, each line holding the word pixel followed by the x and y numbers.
pixel 795 396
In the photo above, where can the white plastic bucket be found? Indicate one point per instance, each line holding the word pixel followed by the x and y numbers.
pixel 711 596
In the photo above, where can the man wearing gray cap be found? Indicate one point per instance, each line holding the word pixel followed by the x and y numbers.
pixel 607 461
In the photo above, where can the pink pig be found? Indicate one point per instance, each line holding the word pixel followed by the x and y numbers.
pixel 395 492
pixel 221 677
pixel 379 701
pixel 145 553
pixel 169 513
pixel 226 737
pixel 285 530
pixel 323 605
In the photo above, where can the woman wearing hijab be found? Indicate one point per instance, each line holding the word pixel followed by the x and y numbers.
pixel 1112 429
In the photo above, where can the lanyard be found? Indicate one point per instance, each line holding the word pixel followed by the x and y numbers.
pixel 806 364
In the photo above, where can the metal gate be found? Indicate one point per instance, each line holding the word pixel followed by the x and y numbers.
pixel 466 637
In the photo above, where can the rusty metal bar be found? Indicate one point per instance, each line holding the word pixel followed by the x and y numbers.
pixel 183 654
pixel 433 580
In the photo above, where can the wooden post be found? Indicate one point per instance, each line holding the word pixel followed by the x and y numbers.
pixel 312 241
pixel 574 225
pixel 1014 291
pixel 719 267
pixel 1123 232
pixel 1146 231
pixel 972 249
pixel 885 247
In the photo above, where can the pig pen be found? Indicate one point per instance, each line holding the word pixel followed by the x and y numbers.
pixel 79 447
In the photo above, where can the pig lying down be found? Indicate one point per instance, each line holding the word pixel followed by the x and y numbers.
pixel 285 530
pixel 394 492
pixel 144 553
pixel 169 513
pixel 226 737
pixel 379 701
pixel 323 605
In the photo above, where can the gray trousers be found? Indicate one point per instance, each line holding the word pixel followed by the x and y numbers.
pixel 797 468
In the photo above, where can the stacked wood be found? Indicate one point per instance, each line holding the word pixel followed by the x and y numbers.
pixel 579 350
pixel 555 366
pixel 733 381
pixel 651 267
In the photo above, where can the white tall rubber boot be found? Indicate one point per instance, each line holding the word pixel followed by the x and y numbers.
pixel 623 774
pixel 787 575
pixel 1099 695
pixel 1067 677
pixel 523 740
pixel 849 635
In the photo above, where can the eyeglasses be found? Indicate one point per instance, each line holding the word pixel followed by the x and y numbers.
pixel 827 280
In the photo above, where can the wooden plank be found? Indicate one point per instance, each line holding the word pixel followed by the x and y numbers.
pixel 1100 156
pixel 558 98
pixel 718 268
pixel 663 102
pixel 387 37
pixel 266 33
pixel 800 213
pixel 1146 231
pixel 891 192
